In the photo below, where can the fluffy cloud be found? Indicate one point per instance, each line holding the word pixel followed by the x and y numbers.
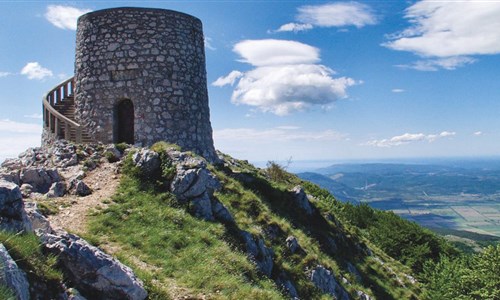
pixel 450 30
pixel 33 70
pixel 64 17
pixel 4 74
pixel 478 133
pixel 339 14
pixel 409 138
pixel 295 27
pixel 208 44
pixel 286 77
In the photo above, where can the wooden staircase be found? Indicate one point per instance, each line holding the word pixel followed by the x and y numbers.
pixel 59 114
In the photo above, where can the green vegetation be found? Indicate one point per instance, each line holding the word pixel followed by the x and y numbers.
pixel 6 293
pixel 466 277
pixel 26 251
pixel 171 249
pixel 403 240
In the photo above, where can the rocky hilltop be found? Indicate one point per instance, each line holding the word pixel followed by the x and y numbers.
pixel 120 222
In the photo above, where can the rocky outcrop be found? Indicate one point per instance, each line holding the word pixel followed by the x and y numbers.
pixel 96 274
pixel 258 252
pixel 301 200
pixel 82 189
pixel 292 244
pixel 41 179
pixel 147 160
pixel 285 283
pixel 324 280
pixel 13 277
pixel 12 214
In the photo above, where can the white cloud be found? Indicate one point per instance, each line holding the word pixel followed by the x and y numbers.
pixel 449 29
pixel 278 134
pixel 448 63
pixel 397 90
pixel 276 52
pixel 478 133
pixel 208 44
pixel 4 74
pixel 295 27
pixel 33 70
pixel 409 138
pixel 15 137
pixel 64 17
pixel 285 79
pixel 229 79
pixel 337 14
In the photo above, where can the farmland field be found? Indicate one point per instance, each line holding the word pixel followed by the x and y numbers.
pixel 464 197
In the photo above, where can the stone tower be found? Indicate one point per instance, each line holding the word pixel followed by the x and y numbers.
pixel 140 78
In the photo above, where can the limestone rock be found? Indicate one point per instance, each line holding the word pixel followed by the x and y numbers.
pixel 58 189
pixel 93 272
pixel 147 160
pixel 39 222
pixel 363 296
pixel 293 245
pixel 13 277
pixel 324 280
pixel 12 214
pixel 10 175
pixel 220 212
pixel 258 252
pixel 82 189
pixel 26 190
pixel 202 207
pixel 284 282
pixel 40 178
pixel 302 201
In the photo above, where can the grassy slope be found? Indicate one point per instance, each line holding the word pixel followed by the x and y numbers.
pixel 173 251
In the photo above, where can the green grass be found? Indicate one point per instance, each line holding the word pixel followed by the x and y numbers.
pixel 177 248
pixel 25 249
pixel 6 293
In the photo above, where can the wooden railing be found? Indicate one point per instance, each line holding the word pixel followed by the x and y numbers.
pixel 54 121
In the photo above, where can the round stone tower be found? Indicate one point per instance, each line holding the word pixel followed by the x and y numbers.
pixel 140 78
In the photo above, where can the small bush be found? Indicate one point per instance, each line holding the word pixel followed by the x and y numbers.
pixel 276 172
pixel 122 147
pixel 111 157
pixel 163 146
pixel 6 293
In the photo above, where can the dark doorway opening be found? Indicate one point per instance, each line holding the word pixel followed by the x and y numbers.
pixel 124 122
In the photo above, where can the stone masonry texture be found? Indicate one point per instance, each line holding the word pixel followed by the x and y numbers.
pixel 154 58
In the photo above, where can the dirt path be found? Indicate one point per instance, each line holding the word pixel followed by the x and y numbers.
pixel 74 210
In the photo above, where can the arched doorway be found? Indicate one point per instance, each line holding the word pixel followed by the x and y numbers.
pixel 124 122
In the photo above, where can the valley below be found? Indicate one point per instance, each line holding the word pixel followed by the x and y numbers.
pixel 451 197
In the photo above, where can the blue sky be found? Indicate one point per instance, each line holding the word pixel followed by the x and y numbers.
pixel 311 80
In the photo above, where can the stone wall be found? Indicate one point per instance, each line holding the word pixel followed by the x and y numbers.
pixel 156 59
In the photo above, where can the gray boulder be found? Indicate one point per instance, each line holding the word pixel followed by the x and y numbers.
pixel 202 207
pixel 285 283
pixel 220 212
pixel 58 189
pixel 147 160
pixel 91 270
pixel 12 214
pixel 301 200
pixel 293 245
pixel 363 296
pixel 39 223
pixel 40 178
pixel 352 269
pixel 324 280
pixel 13 277
pixel 190 183
pixel 12 176
pixel 258 252
pixel 26 190
pixel 82 189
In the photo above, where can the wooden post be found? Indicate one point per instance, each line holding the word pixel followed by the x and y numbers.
pixel 67 131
